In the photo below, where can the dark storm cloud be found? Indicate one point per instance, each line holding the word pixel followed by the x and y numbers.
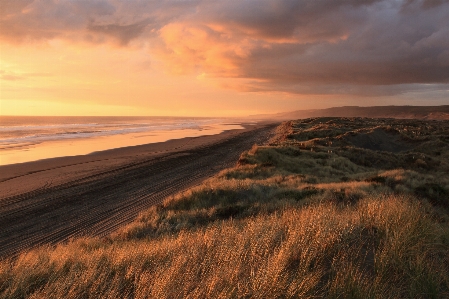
pixel 299 46
pixel 425 4
pixel 375 43
pixel 123 33
pixel 288 18
pixel 380 44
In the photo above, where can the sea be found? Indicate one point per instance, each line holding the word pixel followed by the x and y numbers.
pixel 30 138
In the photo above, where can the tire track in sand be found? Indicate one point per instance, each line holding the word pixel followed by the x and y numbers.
pixel 99 204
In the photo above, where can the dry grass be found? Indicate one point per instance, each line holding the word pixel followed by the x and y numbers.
pixel 288 222
pixel 381 247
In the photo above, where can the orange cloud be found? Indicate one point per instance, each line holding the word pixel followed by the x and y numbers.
pixel 191 47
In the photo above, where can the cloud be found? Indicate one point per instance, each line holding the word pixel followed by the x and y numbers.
pixel 315 46
pixel 422 4
pixel 289 19
pixel 9 77
pixel 122 33
pixel 13 7
pixel 13 76
pixel 25 20
pixel 367 47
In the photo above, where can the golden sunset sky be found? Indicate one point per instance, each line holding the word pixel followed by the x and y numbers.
pixel 220 58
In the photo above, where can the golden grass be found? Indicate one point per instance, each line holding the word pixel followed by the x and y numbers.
pixel 387 246
pixel 287 222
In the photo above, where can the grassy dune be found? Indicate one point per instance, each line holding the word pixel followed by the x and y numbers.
pixel 331 208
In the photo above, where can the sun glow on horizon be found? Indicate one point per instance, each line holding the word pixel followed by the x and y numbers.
pixel 71 79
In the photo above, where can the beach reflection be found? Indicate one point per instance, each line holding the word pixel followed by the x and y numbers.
pixel 83 146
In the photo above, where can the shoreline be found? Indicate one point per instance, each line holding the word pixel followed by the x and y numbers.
pixel 53 148
pixel 50 201
pixel 25 177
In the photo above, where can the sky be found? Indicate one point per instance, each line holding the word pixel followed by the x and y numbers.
pixel 220 57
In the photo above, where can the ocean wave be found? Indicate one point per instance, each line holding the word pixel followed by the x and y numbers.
pixel 30 133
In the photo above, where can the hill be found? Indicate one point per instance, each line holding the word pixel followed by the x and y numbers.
pixel 399 112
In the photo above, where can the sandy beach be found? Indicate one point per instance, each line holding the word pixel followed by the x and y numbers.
pixel 52 200
pixel 41 142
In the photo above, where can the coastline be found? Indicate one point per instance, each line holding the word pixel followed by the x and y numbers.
pixel 46 149
pixel 50 201
pixel 25 177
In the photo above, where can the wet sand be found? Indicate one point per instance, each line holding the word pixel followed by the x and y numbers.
pixel 28 152
pixel 52 200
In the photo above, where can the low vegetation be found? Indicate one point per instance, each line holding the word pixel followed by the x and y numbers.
pixel 330 208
